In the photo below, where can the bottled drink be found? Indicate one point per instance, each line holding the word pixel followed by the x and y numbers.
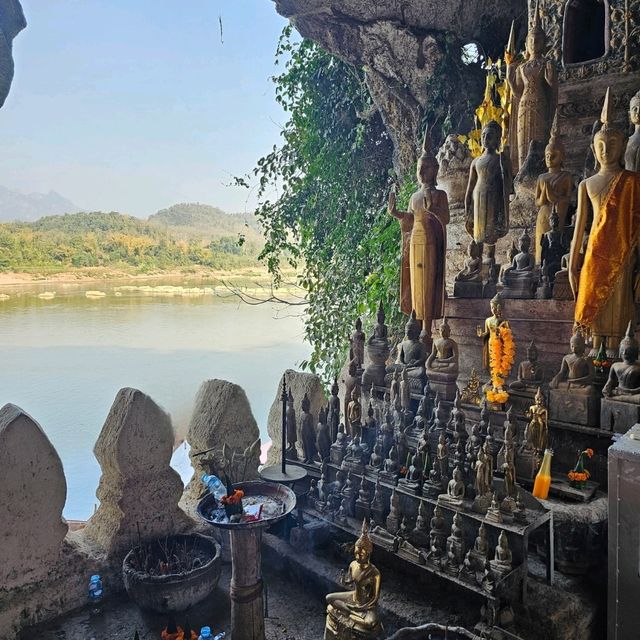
pixel 96 590
pixel 542 482
pixel 205 632
pixel 215 486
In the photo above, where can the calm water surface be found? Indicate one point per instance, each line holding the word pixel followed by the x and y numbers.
pixel 65 359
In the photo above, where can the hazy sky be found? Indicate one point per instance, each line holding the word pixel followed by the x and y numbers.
pixel 134 105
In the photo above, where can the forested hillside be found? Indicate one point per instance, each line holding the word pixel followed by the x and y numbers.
pixel 115 240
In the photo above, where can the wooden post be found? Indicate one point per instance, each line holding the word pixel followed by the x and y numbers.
pixel 247 614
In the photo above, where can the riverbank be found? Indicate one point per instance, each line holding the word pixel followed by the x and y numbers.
pixel 256 273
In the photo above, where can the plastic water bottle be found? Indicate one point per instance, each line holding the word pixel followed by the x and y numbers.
pixel 215 486
pixel 96 590
pixel 220 636
pixel 205 632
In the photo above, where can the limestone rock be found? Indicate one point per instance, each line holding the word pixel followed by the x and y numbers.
pixel 222 415
pixel 401 45
pixel 299 383
pixel 138 490
pixel 32 496
pixel 12 21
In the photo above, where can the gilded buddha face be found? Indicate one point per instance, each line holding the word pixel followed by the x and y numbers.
pixel 609 145
pixel 496 310
pixel 362 554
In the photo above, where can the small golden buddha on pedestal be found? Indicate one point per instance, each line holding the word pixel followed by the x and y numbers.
pixel 354 614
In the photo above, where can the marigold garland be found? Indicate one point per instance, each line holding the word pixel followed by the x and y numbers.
pixel 236 498
pixel 501 356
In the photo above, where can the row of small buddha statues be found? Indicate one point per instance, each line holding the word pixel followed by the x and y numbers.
pixel 355 613
pixel 566 263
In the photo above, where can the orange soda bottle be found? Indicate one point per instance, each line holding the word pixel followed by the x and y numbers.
pixel 542 482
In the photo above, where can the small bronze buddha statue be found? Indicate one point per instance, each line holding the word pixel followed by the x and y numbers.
pixel 576 373
pixel 420 534
pixel 553 246
pixel 377 349
pixel 530 372
pixel 292 429
pixel 307 432
pixel 493 513
pixel 455 546
pixel 468 282
pixel 356 611
pixel 502 564
pixel 442 363
pixel 437 536
pixel 354 414
pixel 357 342
pixel 519 278
pixel 624 377
pixel 333 418
pixel 413 480
pixel 536 435
pixel 391 467
pixel 376 460
pixel 412 354
pixel 472 271
pixel 442 455
pixel 394 517
pixel 323 439
pixel 479 552
pixel 455 490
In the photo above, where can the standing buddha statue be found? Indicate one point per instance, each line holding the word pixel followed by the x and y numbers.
pixel 604 286
pixel 553 189
pixel 487 199
pixel 632 154
pixel 429 215
pixel 534 84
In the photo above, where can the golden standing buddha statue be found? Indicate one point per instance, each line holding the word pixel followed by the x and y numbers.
pixel 426 218
pixel 534 84
pixel 604 287
pixel 536 435
pixel 552 188
pixel 492 323
pixel 354 614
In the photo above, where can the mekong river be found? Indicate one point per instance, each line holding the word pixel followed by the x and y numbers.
pixel 66 357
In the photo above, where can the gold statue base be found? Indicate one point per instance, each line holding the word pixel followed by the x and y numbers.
pixel 341 627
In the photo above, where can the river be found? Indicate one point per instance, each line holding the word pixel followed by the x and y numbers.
pixel 65 357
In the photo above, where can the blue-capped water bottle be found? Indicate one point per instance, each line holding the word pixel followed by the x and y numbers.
pixel 205 633
pixel 215 486
pixel 96 591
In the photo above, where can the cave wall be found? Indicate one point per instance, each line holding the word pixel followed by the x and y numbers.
pixel 12 21
pixel 401 44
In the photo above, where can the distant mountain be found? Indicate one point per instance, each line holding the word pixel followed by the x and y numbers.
pixel 195 219
pixel 28 207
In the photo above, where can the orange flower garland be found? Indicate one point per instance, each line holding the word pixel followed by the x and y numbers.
pixel 237 496
pixel 501 356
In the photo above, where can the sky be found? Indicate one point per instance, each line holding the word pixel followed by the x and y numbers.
pixel 134 105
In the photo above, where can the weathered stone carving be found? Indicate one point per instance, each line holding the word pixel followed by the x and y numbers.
pixel 31 500
pixel 138 490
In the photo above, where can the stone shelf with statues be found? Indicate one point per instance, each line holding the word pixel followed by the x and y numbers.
pixel 399 522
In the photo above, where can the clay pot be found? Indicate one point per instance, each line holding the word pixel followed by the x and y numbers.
pixel 171 592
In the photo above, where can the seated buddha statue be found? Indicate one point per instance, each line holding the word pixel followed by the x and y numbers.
pixel 412 354
pixel 357 610
pixel 472 270
pixel 530 372
pixel 624 377
pixel 442 363
pixel 503 560
pixel 455 490
pixel 576 373
pixel 390 467
pixel 519 278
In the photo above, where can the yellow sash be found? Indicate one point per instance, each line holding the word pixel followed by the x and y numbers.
pixel 611 240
